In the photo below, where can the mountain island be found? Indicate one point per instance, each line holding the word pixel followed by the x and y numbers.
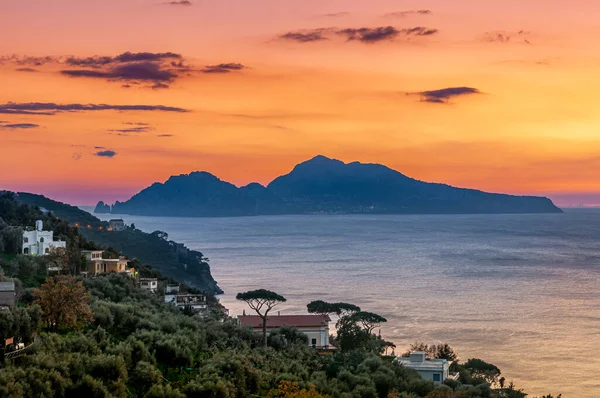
pixel 320 185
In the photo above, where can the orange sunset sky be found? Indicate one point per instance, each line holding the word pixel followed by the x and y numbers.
pixel 99 99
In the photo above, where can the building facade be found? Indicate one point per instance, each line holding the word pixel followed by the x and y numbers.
pixel 315 327
pixel 197 302
pixel 171 292
pixel 7 295
pixel 436 370
pixel 98 265
pixel 149 284
pixel 37 242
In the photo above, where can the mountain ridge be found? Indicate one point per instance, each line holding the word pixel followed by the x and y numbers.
pixel 321 185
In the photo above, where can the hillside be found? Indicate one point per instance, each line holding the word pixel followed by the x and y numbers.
pixel 321 185
pixel 170 258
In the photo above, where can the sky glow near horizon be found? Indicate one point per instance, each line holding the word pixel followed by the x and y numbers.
pixel 100 99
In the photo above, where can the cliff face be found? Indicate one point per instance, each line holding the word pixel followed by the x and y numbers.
pixel 322 185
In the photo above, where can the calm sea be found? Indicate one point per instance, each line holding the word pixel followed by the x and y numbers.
pixel 520 291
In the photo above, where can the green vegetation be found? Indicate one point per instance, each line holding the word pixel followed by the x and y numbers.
pixel 137 346
pixel 170 258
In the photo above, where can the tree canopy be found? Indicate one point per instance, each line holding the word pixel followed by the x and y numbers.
pixel 64 302
pixel 325 308
pixel 261 301
pixel 368 320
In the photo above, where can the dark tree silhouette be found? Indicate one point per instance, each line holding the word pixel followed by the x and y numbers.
pixel 262 301
pixel 368 320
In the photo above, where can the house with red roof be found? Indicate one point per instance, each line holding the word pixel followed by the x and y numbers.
pixel 315 327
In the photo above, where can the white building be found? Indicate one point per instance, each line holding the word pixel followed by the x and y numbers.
pixel 38 242
pixel 197 302
pixel 149 284
pixel 436 370
pixel 92 255
pixel 315 327
pixel 171 292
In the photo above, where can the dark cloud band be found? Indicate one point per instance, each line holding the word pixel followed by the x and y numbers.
pixel 107 153
pixel 364 35
pixel 19 126
pixel 50 108
pixel 443 95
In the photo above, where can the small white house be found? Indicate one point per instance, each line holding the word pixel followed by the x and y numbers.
pixel 39 242
pixel 149 284
pixel 436 370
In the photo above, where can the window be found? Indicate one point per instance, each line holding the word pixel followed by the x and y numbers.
pixel 26 250
pixel 313 342
pixel 437 377
pixel 26 240
pixel 47 251
pixel 41 240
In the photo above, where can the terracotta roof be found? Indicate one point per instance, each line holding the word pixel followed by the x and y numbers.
pixel 277 321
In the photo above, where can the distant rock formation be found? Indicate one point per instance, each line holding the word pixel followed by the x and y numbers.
pixel 321 185
pixel 102 208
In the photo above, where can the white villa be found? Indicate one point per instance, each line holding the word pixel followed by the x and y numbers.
pixel 38 242
pixel 436 370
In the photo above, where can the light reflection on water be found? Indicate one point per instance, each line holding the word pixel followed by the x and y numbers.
pixel 520 291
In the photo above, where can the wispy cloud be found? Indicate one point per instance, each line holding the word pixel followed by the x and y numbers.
pixel 179 3
pixel 373 35
pixel 99 61
pixel 132 69
pixel 165 135
pixel 335 14
pixel 143 71
pixel 27 60
pixel 305 36
pixel 521 36
pixel 403 14
pixel 26 70
pixel 223 68
pixel 19 126
pixel 131 130
pixel 442 96
pixel 50 108
pixel 106 154
pixel 364 35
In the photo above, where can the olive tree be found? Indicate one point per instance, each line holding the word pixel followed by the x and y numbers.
pixel 261 301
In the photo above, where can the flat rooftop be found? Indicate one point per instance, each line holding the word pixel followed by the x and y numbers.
pixel 428 364
pixel 7 286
